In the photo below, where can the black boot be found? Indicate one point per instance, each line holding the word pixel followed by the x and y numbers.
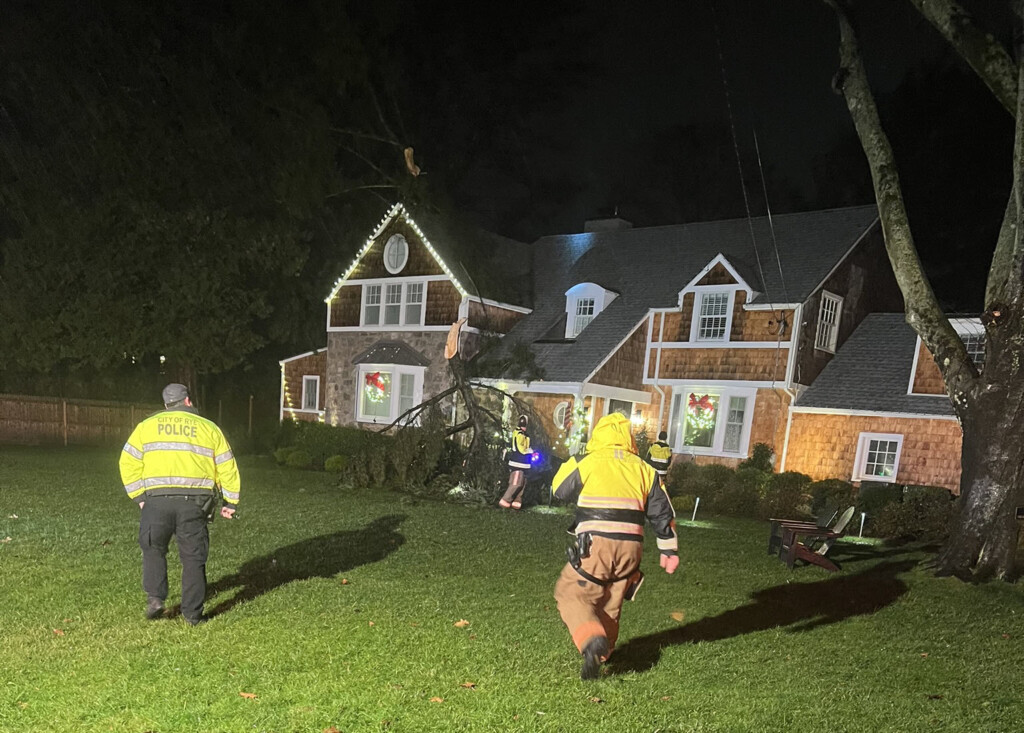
pixel 154 608
pixel 593 654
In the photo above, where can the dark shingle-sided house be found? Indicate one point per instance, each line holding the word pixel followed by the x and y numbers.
pixel 724 334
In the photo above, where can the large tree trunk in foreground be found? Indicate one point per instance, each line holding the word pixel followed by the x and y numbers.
pixel 983 540
pixel 990 405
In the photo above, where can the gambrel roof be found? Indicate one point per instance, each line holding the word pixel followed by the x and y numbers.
pixel 649 266
pixel 871 371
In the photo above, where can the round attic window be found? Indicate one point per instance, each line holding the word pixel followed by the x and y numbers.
pixel 396 253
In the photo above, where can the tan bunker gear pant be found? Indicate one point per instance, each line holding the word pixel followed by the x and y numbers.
pixel 589 609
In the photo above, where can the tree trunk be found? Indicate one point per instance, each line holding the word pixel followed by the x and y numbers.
pixel 983 539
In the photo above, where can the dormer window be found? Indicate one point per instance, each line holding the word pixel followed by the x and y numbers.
pixel 583 303
pixel 714 316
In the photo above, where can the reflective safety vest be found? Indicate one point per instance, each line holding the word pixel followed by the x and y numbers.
pixel 660 456
pixel 518 454
pixel 615 490
pixel 178 452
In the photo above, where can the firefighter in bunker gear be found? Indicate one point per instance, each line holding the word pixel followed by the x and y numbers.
pixel 517 455
pixel 615 492
pixel 173 466
pixel 659 455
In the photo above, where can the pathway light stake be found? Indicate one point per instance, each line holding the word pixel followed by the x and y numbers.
pixel 695 505
pixel 863 516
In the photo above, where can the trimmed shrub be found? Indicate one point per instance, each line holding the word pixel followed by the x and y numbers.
pixel 741 494
pixel 678 478
pixel 684 506
pixel 322 441
pixel 707 482
pixel 281 454
pixel 761 458
pixel 335 464
pixel 784 495
pixel 873 497
pixel 831 495
pixel 299 458
pixel 924 514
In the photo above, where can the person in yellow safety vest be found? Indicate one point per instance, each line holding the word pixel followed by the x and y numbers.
pixel 175 466
pixel 518 456
pixel 659 455
pixel 615 492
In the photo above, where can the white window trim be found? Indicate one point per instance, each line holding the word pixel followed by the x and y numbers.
pixel 302 402
pixel 698 291
pixel 608 407
pixel 392 240
pixel 833 342
pixel 402 324
pixel 395 370
pixel 584 291
pixel 723 394
pixel 861 458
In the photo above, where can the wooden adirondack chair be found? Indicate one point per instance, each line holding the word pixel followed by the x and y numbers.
pixel 775 530
pixel 815 544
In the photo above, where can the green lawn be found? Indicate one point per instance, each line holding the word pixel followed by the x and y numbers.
pixel 339 608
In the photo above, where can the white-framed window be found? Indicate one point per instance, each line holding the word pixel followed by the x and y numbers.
pixel 711 420
pixel 561 414
pixel 310 392
pixel 734 421
pixel 878 457
pixel 371 305
pixel 396 254
pixel 583 303
pixel 385 391
pixel 585 308
pixel 829 313
pixel 402 303
pixel 713 316
pixel 972 333
pixel 623 407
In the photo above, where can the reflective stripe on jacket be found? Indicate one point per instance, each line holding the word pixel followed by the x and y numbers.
pixel 518 454
pixel 660 456
pixel 178 452
pixel 615 490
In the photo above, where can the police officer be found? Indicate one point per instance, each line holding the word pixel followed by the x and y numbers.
pixel 659 455
pixel 614 491
pixel 517 455
pixel 174 465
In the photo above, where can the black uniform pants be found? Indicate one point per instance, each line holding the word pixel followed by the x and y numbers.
pixel 182 517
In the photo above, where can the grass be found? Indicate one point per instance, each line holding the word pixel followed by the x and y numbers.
pixel 338 608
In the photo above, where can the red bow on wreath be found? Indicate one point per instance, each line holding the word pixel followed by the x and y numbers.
pixel 374 380
pixel 704 403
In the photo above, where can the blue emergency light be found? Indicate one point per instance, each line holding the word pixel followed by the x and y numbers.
pixel 535 457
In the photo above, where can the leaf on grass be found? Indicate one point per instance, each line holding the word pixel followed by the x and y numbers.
pixel 59 632
pixel 331 729
pixel 1006 636
pixel 104 543
pixel 596 699
pixel 935 697
pixel 924 655
pixel 12 516
pixel 248 695
pixel 344 581
pixel 678 616
pixel 437 699
pixel 67 620
pixel 461 623
pixel 666 698
pixel 469 685
pixel 372 624
pixel 22 705
pixel 472 636
pixel 396 687
pixel 5 540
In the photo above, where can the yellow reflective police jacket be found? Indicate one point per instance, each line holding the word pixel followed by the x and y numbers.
pixel 660 456
pixel 178 452
pixel 615 490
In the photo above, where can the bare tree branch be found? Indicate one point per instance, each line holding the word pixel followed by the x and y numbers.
pixel 336 194
pixel 990 61
pixel 923 311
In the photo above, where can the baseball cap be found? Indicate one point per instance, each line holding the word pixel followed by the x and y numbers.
pixel 175 393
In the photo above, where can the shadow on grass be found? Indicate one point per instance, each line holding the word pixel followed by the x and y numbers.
pixel 793 606
pixel 317 557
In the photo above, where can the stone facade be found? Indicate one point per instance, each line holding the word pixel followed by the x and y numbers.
pixel 343 347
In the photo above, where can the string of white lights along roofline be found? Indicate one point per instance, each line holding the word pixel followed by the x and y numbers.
pixel 396 210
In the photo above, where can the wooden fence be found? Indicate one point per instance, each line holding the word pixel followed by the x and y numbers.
pixel 55 421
